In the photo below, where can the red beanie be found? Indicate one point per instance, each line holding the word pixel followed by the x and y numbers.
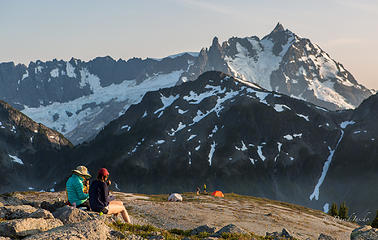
pixel 103 172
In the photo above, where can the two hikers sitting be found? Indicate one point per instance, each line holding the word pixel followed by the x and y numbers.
pixel 97 198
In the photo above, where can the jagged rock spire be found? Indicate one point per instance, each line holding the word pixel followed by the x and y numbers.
pixel 278 28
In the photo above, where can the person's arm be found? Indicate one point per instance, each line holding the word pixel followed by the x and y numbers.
pixel 79 189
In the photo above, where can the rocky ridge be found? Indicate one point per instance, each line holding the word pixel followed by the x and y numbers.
pixel 66 222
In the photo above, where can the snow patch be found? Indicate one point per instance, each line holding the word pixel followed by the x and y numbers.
pixel 70 70
pixel 182 112
pixel 280 107
pixel 259 151
pixel 259 70
pixel 127 127
pixel 288 137
pixel 343 125
pixel 191 137
pixel 16 159
pixel 54 73
pixel 242 148
pixel 91 80
pixel 315 194
pixel 303 116
pixel 167 101
pixel 25 75
pixel 326 208
pixel 212 150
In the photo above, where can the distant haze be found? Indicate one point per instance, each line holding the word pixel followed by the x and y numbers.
pixel 45 29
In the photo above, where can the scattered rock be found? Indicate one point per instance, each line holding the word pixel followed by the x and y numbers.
pixel 203 228
pixel 5 238
pixel 91 230
pixel 322 236
pixel 16 212
pixel 117 234
pixel 69 214
pixel 285 234
pixel 52 207
pixel 231 228
pixel 27 226
pixel 41 213
pixel 10 201
pixel 364 233
pixel 158 237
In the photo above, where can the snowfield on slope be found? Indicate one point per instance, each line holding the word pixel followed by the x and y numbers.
pixel 71 114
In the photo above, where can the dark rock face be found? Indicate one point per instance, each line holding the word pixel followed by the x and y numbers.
pixel 79 98
pixel 238 137
pixel 26 151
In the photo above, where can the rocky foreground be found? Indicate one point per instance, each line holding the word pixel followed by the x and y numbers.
pixel 43 215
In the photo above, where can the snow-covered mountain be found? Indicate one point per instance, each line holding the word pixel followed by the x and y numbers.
pixel 79 98
pixel 236 136
pixel 286 63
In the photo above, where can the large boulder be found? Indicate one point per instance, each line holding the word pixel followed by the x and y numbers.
pixel 364 233
pixel 322 236
pixel 41 213
pixel 203 228
pixel 16 212
pixel 52 207
pixel 28 226
pixel 91 230
pixel 69 214
pixel 284 234
pixel 231 228
pixel 10 201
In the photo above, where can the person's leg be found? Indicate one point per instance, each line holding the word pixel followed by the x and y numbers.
pixel 85 204
pixel 116 207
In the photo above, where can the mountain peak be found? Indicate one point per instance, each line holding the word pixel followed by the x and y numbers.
pixel 215 42
pixel 279 28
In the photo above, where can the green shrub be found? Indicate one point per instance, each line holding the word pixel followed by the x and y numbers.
pixel 374 224
pixel 343 211
pixel 333 211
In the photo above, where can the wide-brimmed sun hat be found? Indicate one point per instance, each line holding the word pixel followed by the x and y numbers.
pixel 82 171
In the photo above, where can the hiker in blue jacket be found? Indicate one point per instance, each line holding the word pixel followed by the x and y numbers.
pixel 99 198
pixel 75 188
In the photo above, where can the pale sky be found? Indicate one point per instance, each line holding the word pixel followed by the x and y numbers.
pixel 85 29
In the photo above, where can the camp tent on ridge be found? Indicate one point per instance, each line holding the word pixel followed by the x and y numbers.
pixel 217 194
pixel 175 197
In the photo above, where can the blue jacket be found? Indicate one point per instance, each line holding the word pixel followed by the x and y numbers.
pixel 75 189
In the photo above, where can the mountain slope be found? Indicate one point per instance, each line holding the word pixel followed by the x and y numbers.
pixel 26 150
pixel 232 135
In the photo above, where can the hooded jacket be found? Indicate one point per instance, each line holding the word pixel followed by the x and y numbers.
pixel 75 190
